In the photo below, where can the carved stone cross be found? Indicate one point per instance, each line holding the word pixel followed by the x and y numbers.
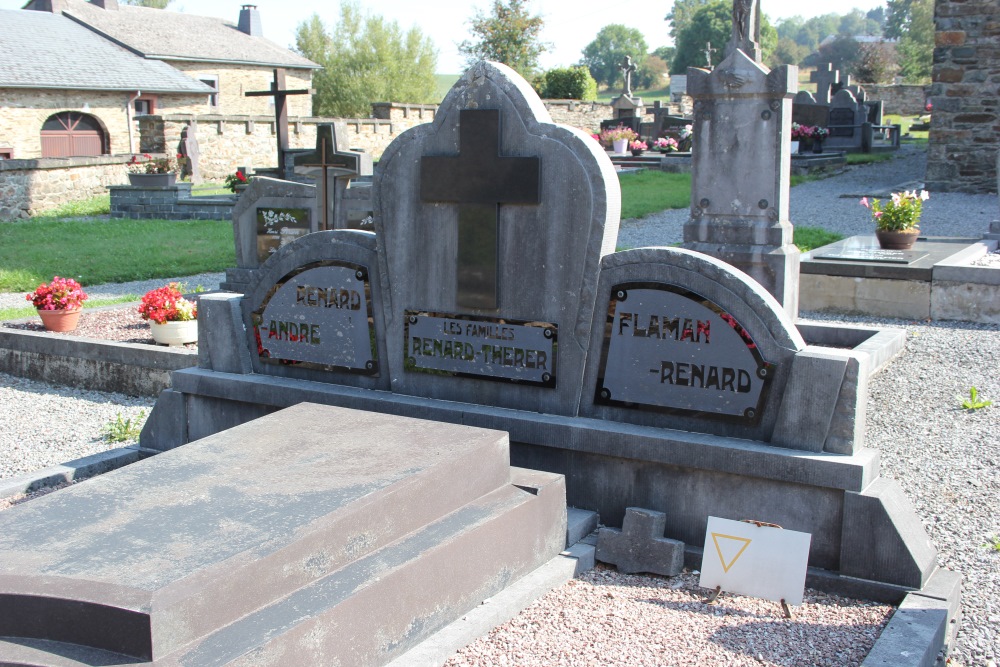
pixel 628 68
pixel 825 79
pixel 479 179
pixel 330 161
pixel 279 93
pixel 708 54
pixel 746 28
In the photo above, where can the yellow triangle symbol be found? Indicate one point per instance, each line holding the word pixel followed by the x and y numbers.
pixel 729 548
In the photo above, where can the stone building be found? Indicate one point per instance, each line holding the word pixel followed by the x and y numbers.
pixel 79 90
pixel 965 124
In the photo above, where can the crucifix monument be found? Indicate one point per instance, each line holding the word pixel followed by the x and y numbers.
pixel 741 160
pixel 479 179
pixel 280 93
pixel 708 55
pixel 332 167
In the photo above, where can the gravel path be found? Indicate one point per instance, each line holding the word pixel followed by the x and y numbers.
pixel 832 203
pixel 945 458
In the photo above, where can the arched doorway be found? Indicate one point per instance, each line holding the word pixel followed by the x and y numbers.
pixel 70 133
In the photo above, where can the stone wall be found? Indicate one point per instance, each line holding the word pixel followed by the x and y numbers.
pixel 965 125
pixel 172 202
pixel 24 111
pixel 585 115
pixel 31 187
pixel 904 100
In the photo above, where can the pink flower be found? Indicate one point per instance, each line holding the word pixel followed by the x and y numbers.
pixel 878 214
pixel 864 202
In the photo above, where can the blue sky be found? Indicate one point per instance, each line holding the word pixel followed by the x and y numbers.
pixel 569 26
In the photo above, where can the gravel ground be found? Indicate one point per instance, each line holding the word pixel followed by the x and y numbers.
pixel 945 458
pixel 832 203
pixel 114 290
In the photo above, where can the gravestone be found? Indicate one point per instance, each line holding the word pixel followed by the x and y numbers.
pixel 826 79
pixel 191 151
pixel 806 111
pixel 334 168
pixel 313 536
pixel 654 377
pixel 846 120
pixel 741 161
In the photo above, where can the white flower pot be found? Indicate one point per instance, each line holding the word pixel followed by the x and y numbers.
pixel 795 147
pixel 619 146
pixel 175 333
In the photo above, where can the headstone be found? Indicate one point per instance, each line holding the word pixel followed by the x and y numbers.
pixel 806 111
pixel 190 150
pixel 333 167
pixel 284 541
pixel 640 546
pixel 825 78
pixel 846 119
pixel 739 183
pixel 746 29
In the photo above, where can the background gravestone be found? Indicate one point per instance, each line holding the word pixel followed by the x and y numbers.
pixel 845 121
pixel 335 169
pixel 493 220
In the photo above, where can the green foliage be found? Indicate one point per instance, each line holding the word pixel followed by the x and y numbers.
pixel 649 191
pixel 366 59
pixel 808 238
pixel 787 52
pixel 100 251
pixel 973 402
pixel 509 35
pixel 680 17
pixel 605 54
pixel 154 4
pixel 993 543
pixel 652 73
pixel 710 23
pixel 842 52
pixel 124 429
pixel 916 38
pixel 808 33
pixel 876 63
pixel 868 158
pixel 568 83
pixel 664 53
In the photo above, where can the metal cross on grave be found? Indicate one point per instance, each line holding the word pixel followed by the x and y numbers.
pixel 279 93
pixel 479 180
pixel 330 162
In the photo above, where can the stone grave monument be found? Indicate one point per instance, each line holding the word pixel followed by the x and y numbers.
pixel 741 161
pixel 658 378
pixel 490 296
pixel 336 169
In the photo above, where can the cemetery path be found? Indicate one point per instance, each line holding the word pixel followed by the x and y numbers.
pixel 833 204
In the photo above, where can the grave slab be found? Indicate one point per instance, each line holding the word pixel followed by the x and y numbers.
pixel 861 257
pixel 246 542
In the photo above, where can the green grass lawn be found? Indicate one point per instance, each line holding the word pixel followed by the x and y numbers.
pixel 99 251
pixel 648 96
pixel 650 191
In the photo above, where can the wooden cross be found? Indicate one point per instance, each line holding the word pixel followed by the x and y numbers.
pixel 327 158
pixel 279 93
pixel 479 179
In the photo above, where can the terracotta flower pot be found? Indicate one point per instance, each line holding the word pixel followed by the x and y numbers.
pixel 60 320
pixel 901 240
pixel 175 333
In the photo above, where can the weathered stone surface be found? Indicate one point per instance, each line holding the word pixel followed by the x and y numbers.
pixel 640 546
pixel 815 381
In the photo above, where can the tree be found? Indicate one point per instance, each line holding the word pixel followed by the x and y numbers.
pixel 569 83
pixel 604 55
pixel 912 21
pixel 651 74
pixel 713 23
pixel 876 63
pixel 842 52
pixel 509 34
pixel 368 59
pixel 680 16
pixel 153 4
pixel 788 52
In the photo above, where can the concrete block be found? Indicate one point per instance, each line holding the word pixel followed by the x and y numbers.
pixel 883 538
pixel 222 338
pixel 579 524
pixel 871 296
pixel 166 426
pixel 913 637
pixel 810 398
pixel 640 546
pixel 970 301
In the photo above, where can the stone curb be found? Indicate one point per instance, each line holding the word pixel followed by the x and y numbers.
pixel 71 471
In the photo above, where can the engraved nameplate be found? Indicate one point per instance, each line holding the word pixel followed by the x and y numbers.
pixel 319 316
pixel 669 349
pixel 487 348
pixel 277 227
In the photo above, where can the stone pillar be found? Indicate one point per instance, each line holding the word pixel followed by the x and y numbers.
pixel 741 161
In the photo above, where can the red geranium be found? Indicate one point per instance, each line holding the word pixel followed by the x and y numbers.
pixel 60 294
pixel 167 304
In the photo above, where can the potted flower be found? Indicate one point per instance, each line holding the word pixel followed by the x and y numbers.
pixel 819 135
pixel 58 303
pixel 637 147
pixel 897 221
pixel 665 144
pixel 802 138
pixel 148 171
pixel 172 318
pixel 618 137
pixel 236 181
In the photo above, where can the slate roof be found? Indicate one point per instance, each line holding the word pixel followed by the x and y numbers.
pixel 43 50
pixel 163 34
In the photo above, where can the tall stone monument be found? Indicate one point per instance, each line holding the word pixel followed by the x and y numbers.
pixel 741 159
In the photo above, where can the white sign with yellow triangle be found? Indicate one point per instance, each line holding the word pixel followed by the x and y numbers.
pixel 761 561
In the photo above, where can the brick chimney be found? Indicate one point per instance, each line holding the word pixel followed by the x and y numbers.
pixel 53 6
pixel 111 5
pixel 250 21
